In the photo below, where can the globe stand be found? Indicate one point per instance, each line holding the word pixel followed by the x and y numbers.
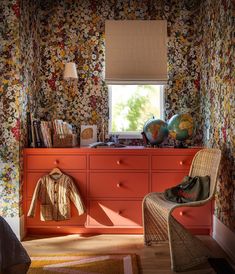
pixel 181 144
pixel 145 140
pixel 155 146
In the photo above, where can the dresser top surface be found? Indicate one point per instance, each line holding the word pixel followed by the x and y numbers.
pixel 124 150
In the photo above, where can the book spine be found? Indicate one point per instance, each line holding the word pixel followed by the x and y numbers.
pixel 37 138
pixel 32 131
pixel 40 133
pixel 48 134
pixel 29 130
pixel 43 133
pixel 55 127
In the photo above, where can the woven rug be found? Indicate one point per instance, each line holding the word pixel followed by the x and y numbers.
pixel 84 264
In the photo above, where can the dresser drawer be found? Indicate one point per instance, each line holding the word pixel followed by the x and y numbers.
pixel 164 180
pixel 181 162
pixel 36 222
pixel 48 162
pixel 115 214
pixel 118 185
pixel 118 162
pixel 78 178
pixel 194 216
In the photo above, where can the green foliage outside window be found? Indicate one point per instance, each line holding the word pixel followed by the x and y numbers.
pixel 131 109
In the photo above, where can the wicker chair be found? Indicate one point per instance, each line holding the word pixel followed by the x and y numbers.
pixel 159 225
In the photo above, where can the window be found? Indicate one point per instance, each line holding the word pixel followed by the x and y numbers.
pixel 130 106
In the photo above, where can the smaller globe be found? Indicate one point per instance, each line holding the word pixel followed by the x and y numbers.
pixel 181 127
pixel 155 131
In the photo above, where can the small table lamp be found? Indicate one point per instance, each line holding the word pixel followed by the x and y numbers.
pixel 70 74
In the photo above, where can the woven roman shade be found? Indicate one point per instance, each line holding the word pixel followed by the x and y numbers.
pixel 136 51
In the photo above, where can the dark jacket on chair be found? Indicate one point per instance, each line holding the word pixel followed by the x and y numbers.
pixel 191 189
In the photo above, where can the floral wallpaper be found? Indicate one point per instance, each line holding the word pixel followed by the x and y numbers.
pixel 16 74
pixel 216 31
pixel 29 71
pixel 39 37
pixel 74 31
pixel 10 87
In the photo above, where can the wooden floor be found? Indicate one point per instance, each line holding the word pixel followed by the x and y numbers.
pixel 153 260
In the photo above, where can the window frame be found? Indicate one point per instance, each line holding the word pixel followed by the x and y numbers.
pixel 132 134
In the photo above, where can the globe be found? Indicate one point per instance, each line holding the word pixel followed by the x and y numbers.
pixel 155 131
pixel 181 127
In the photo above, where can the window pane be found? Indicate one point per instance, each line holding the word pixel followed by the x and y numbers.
pixel 132 106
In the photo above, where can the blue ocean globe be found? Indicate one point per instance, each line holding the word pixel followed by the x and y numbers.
pixel 181 127
pixel 155 131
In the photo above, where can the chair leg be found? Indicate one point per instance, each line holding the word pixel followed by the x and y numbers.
pixel 154 223
pixel 186 250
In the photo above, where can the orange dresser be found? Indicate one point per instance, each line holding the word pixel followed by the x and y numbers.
pixel 112 183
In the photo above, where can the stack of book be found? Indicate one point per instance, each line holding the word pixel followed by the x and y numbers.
pixel 40 132
pixel 46 130
pixel 62 128
pixel 63 134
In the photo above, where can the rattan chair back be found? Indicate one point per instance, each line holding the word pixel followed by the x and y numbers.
pixel 206 162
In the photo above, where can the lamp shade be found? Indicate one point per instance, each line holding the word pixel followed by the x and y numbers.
pixel 70 71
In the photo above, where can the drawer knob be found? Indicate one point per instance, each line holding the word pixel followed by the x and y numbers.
pixel 181 213
pixel 119 184
pixel 56 162
pixel 119 162
pixel 181 163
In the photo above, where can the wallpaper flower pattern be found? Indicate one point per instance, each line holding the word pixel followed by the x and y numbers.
pixel 29 71
pixel 217 54
pixel 16 73
pixel 74 31
pixel 10 108
pixel 40 36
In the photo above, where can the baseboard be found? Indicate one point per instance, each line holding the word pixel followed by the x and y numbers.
pixel 224 237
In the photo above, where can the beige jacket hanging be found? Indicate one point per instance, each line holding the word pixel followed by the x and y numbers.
pixel 55 193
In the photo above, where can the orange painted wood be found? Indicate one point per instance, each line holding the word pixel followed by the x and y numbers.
pixel 164 180
pixel 51 161
pixel 118 185
pixel 194 216
pixel 118 162
pixel 112 183
pixel 114 213
pixel 73 229
pixel 168 162
pixel 132 150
